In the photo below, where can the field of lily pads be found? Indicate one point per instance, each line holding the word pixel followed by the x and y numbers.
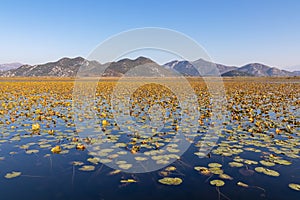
pixel 253 154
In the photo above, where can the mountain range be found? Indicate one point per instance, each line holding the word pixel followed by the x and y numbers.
pixel 8 66
pixel 68 67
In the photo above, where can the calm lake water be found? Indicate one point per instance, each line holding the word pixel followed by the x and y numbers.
pixel 48 176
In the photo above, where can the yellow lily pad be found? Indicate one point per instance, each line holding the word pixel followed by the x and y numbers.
pixel 56 149
pixel 225 176
pixel 214 165
pixel 282 162
pixel 217 183
pixel 267 163
pixel 125 166
pixel 171 168
pixel 128 181
pixel 267 171
pixel 32 151
pixel 87 168
pixel 12 175
pixel 294 186
pixel 170 181
pixel 235 164
pixel 242 184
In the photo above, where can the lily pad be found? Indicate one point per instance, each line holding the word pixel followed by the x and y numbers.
pixel 235 164
pixel 125 166
pixel 267 171
pixel 12 175
pixel 56 149
pixel 214 165
pixel 242 184
pixel 87 168
pixel 294 186
pixel 217 183
pixel 128 181
pixel 170 181
pixel 225 176
pixel 267 163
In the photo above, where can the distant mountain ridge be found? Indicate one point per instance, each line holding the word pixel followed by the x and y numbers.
pixel 8 66
pixel 198 68
pixel 258 69
pixel 68 67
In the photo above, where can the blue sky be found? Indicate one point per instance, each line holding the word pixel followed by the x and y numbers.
pixel 232 32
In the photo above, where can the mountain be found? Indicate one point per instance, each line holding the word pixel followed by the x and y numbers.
pixel 296 73
pixel 64 67
pixel 236 73
pixel 257 69
pixel 141 66
pixel 68 67
pixel 183 67
pixel 198 67
pixel 8 66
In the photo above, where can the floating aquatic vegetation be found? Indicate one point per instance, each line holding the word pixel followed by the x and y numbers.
pixel 235 164
pixel 217 183
pixel 267 163
pixel 216 170
pixel 225 176
pixel 203 170
pixel 125 166
pixel 12 175
pixel 77 163
pixel 294 186
pixel 117 171
pixel 282 162
pixel 170 168
pixel 250 162
pixel 94 160
pixel 242 184
pixel 128 181
pixel 87 168
pixel 170 181
pixel 138 158
pixel 261 123
pixel 214 165
pixel 56 149
pixel 32 151
pixel 35 127
pixel 267 171
pixel 80 147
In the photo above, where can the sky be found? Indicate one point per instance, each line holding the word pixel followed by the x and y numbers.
pixel 232 32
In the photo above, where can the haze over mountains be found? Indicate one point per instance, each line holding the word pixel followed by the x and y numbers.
pixel 68 67
pixel 8 66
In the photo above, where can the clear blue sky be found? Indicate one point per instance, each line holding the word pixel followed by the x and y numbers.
pixel 233 32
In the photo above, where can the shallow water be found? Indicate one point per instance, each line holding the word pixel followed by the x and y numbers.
pixel 53 176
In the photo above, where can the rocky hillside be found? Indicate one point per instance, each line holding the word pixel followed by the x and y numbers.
pixel 68 67
pixel 257 69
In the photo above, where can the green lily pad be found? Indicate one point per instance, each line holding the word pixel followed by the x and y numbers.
pixel 267 171
pixel 217 183
pixel 225 176
pixel 213 165
pixel 267 163
pixel 236 164
pixel 170 181
pixel 282 162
